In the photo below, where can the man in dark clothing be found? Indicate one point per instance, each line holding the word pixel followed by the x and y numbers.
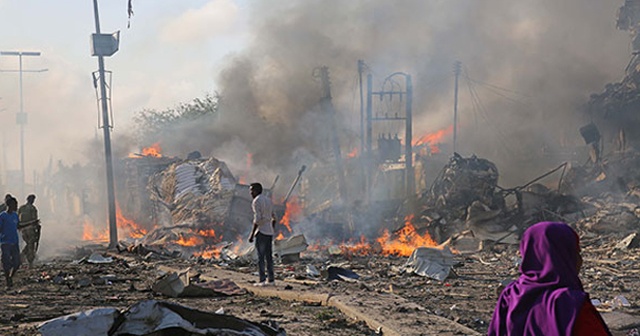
pixel 3 205
pixel 29 228
pixel 9 240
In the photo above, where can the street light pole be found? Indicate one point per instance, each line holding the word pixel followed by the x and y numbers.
pixel 106 127
pixel 21 117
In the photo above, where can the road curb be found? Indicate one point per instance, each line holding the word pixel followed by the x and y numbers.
pixel 340 302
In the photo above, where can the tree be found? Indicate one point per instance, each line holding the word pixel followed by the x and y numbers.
pixel 151 124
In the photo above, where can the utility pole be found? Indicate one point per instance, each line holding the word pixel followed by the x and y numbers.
pixel 407 93
pixel 362 135
pixel 363 153
pixel 106 45
pixel 456 70
pixel 21 117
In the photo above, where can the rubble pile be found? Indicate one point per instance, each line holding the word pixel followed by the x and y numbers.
pixel 201 204
pixel 466 197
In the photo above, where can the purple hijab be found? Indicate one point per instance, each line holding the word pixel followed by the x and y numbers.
pixel 548 295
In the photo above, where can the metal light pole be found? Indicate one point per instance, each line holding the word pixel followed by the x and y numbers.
pixel 21 117
pixel 106 45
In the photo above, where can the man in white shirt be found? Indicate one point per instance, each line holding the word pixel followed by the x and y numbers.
pixel 263 230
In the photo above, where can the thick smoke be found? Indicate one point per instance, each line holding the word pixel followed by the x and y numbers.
pixel 550 55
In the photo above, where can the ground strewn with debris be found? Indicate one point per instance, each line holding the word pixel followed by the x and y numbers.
pixel 465 299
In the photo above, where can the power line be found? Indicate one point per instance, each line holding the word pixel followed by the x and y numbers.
pixel 495 86
pixel 481 108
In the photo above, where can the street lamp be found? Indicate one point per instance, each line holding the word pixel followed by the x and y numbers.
pixel 21 117
pixel 104 45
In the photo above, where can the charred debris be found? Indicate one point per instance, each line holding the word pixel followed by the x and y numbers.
pixel 382 194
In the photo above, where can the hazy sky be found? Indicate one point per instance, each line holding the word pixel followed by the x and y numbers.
pixel 170 54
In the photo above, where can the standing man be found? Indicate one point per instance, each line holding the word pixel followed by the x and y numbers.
pixel 9 240
pixel 3 206
pixel 264 223
pixel 29 228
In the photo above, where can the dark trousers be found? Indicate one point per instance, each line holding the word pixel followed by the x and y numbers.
pixel 263 246
pixel 10 257
pixel 31 237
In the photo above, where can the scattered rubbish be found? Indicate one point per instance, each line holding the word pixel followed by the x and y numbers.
pixel 619 301
pixel 288 250
pixel 339 273
pixel 157 318
pixel 97 258
pixel 312 271
pixel 631 241
pixel 220 311
pixel 91 322
pixel 180 285
pixel 431 262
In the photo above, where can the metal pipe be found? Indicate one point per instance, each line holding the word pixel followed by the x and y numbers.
pixel 293 186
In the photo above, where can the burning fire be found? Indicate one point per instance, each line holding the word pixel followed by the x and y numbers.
pixel 361 248
pixel 280 236
pixel 407 241
pixel 89 232
pixel 152 151
pixel 209 253
pixel 191 241
pixel 129 227
pixel 433 139
pixel 126 227
pixel 207 233
pixel 292 213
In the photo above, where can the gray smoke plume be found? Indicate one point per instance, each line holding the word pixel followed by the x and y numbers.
pixel 549 55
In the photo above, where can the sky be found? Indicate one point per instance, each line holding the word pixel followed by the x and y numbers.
pixel 260 54
pixel 170 54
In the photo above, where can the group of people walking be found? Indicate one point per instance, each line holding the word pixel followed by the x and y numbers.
pixel 13 219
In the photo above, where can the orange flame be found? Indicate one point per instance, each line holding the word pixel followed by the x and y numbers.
pixel 433 139
pixel 407 241
pixel 154 150
pixel 353 153
pixel 89 232
pixel 239 243
pixel 207 233
pixel 191 241
pixel 361 248
pixel 209 253
pixel 127 226
pixel 280 236
pixel 292 213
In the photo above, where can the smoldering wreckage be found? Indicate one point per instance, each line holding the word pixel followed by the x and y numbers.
pixel 402 262
pixel 434 264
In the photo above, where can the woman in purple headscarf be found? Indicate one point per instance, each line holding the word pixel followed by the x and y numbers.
pixel 548 298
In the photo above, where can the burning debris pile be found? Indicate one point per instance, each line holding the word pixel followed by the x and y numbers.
pixel 199 204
